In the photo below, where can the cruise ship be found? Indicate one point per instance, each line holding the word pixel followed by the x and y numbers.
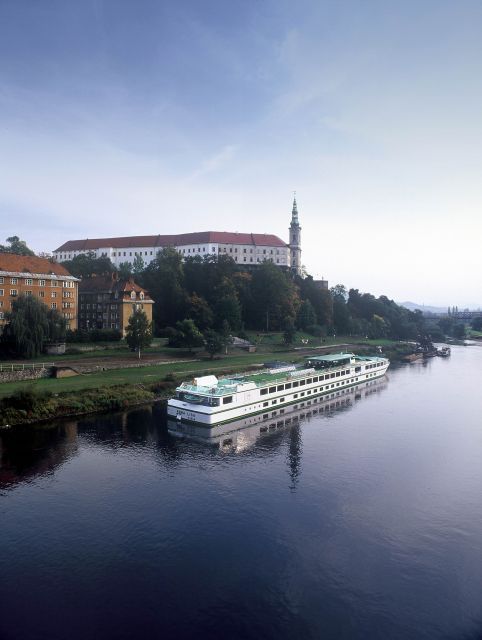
pixel 210 401
pixel 241 434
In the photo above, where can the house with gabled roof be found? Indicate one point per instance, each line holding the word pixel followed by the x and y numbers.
pixel 107 302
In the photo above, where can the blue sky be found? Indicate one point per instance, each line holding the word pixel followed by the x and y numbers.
pixel 139 117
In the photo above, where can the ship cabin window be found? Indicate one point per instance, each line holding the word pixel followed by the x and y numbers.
pixel 357 369
pixel 265 404
pixel 280 387
pixel 274 401
pixel 272 389
pixel 227 399
pixel 264 391
pixel 338 374
pixel 332 375
pixel 295 396
pixel 265 415
pixel 302 382
pixel 308 393
pixel 302 393
pixel 288 386
pixel 315 379
pixel 309 381
pixel 295 384
pixel 281 399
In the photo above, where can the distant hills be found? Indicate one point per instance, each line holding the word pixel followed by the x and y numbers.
pixel 428 309
pixel 422 307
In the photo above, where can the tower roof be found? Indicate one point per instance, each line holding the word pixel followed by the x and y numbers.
pixel 294 213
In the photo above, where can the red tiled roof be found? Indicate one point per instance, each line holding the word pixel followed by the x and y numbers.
pixel 12 262
pixel 200 237
pixel 108 284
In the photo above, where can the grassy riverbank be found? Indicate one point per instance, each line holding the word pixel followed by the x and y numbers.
pixel 116 389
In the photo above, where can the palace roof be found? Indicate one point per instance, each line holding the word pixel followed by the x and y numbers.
pixel 200 237
pixel 13 263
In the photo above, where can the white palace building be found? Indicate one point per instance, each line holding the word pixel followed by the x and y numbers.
pixel 244 248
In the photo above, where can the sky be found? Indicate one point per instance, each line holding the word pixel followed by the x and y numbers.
pixel 131 117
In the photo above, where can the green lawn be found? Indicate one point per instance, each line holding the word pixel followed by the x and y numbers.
pixel 269 347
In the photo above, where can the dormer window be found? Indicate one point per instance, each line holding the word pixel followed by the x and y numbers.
pixel 141 295
pixel 133 295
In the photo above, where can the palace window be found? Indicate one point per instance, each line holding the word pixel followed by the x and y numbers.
pixel 13 292
pixel 41 283
pixel 28 281
pixel 13 280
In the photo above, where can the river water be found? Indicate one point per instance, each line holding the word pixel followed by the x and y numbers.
pixel 360 519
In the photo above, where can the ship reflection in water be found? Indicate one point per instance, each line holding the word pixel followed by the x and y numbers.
pixel 240 434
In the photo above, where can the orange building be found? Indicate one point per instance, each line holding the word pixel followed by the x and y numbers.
pixel 50 282
pixel 107 303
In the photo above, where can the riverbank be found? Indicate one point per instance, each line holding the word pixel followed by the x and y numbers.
pixel 27 402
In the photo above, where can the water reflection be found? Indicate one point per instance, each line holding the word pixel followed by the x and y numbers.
pixel 27 453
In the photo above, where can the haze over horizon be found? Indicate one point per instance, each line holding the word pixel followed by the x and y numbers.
pixel 135 118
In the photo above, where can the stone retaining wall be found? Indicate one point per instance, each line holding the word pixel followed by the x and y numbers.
pixel 24 374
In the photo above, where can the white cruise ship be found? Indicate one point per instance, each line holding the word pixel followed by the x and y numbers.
pixel 210 401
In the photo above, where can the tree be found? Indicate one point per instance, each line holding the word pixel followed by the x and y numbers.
pixel 200 312
pixel 138 331
pixel 274 297
pixel 477 323
pixel 15 245
pixel 138 265
pixel 214 342
pixel 289 332
pixel 125 270
pixel 187 335
pixel 30 324
pixel 306 315
pixel 86 265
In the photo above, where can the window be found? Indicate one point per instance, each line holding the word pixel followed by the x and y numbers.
pixel 54 283
pixel 53 305
pixel 13 280
pixel 272 389
pixel 274 401
pixel 288 386
pixel 1 292
pixel 265 404
pixel 227 399
pixel 28 281
pixel 133 295
pixel 53 294
pixel 295 384
pixel 2 315
pixel 280 387
pixel 141 295
pixel 264 391
pixel 28 293
pixel 41 283
pixel 13 292
pixel 1 280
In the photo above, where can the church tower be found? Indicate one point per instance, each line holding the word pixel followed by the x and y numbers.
pixel 295 240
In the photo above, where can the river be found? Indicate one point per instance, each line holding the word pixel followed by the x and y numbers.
pixel 360 519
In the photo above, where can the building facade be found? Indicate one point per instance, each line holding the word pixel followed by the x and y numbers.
pixel 107 303
pixel 245 248
pixel 48 281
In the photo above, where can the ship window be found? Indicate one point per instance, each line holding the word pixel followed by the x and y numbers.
pixel 302 382
pixel 264 391
pixel 227 399
pixel 274 401
pixel 265 415
pixel 280 387
pixel 272 389
pixel 357 369
pixel 309 381
pixel 281 399
pixel 332 375
pixel 295 384
pixel 288 386
pixel 265 404
pixel 295 396
pixel 315 379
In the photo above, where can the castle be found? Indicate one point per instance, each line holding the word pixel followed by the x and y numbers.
pixel 244 248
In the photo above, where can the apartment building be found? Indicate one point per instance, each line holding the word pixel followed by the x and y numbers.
pixel 48 281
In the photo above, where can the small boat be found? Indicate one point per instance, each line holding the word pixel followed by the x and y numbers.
pixel 210 401
pixel 444 352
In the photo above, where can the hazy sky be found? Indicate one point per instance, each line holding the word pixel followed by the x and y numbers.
pixel 123 117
